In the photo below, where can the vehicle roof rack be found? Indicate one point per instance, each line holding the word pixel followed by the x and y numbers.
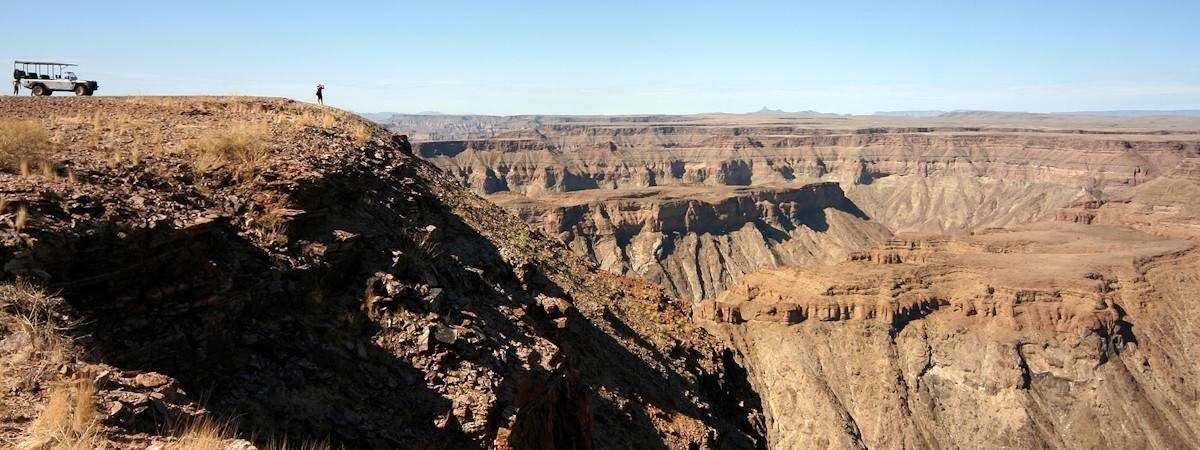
pixel 44 63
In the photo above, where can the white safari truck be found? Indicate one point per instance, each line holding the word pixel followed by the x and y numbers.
pixel 44 78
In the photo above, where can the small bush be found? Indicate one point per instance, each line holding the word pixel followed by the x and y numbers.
pixel 22 143
pixel 242 151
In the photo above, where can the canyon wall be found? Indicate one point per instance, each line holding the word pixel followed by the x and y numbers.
pixel 1049 336
pixel 695 243
pixel 572 176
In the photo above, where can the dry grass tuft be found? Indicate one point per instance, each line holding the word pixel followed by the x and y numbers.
pixel 305 119
pixel 69 421
pixel 241 105
pixel 203 434
pixel 49 172
pixel 122 139
pixel 328 120
pixel 206 433
pixel 361 132
pixel 135 155
pixel 163 101
pixel 271 223
pixel 21 218
pixel 316 119
pixel 31 312
pixel 34 321
pixel 285 445
pixel 242 151
pixel 22 142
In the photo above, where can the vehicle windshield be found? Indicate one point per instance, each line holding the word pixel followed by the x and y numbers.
pixel 70 76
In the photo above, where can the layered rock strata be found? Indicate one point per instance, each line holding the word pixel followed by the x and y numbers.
pixel 912 178
pixel 1047 336
pixel 695 242
pixel 953 175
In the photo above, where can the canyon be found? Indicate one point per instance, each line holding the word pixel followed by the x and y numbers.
pixel 969 280
pixel 613 177
pixel 237 271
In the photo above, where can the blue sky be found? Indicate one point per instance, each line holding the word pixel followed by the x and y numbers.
pixel 618 56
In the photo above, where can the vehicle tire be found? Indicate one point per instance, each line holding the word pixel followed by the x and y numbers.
pixel 39 90
pixel 81 90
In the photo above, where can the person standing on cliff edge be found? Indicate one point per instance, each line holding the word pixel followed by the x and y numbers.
pixel 320 97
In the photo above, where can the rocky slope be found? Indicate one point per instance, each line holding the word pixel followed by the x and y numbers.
pixel 288 267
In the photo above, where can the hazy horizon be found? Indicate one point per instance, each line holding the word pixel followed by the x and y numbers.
pixel 633 58
pixel 1109 112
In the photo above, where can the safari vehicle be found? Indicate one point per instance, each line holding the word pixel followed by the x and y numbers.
pixel 44 78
